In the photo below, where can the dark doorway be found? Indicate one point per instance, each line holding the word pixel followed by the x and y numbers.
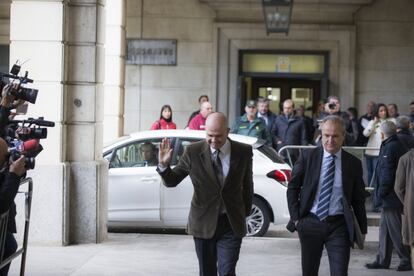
pixel 304 92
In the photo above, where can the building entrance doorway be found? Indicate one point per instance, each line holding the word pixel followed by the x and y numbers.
pixel 279 75
pixel 301 91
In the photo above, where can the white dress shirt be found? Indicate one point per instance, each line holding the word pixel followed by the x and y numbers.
pixel 224 155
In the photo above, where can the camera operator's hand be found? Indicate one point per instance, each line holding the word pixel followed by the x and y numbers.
pixel 18 167
pixel 6 97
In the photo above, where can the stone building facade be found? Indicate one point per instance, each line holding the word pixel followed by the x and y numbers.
pixel 76 50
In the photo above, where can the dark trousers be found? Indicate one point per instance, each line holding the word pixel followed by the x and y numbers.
pixel 221 250
pixel 10 247
pixel 371 162
pixel 331 233
pixel 390 237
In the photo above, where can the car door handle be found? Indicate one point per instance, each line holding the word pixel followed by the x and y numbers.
pixel 149 179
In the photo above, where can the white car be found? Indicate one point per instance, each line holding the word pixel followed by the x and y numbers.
pixel 138 198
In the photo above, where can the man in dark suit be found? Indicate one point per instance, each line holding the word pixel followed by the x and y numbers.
pixel 325 182
pixel 221 172
pixel 264 112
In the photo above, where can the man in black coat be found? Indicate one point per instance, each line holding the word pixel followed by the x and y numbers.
pixel 263 112
pixel 9 185
pixel 403 131
pixel 325 182
pixel 390 222
pixel 288 130
pixel 308 123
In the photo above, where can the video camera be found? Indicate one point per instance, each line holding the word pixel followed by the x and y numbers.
pixel 22 93
pixel 22 136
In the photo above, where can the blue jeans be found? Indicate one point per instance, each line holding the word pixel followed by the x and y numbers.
pixel 371 162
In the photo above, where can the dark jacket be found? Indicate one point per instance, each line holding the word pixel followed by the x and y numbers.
pixel 390 152
pixel 303 186
pixel 271 117
pixel 310 130
pixel 290 131
pixel 351 129
pixel 406 138
pixel 235 194
pixel 9 185
pixel 362 140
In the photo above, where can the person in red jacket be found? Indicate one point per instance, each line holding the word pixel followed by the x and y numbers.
pixel 199 121
pixel 165 121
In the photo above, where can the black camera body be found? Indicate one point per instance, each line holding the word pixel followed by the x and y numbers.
pixel 332 106
pixel 27 133
pixel 25 94
pixel 29 161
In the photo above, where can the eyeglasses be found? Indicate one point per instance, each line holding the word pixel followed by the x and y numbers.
pixel 251 106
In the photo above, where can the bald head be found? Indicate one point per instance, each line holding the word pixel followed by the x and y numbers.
pixel 217 130
pixel 205 109
pixel 216 119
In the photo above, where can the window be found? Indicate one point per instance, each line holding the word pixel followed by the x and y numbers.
pixel 271 154
pixel 142 153
pixel 182 143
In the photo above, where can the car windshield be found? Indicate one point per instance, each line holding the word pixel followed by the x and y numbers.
pixel 270 153
pixel 114 141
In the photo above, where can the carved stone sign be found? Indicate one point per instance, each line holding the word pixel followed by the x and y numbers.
pixel 152 51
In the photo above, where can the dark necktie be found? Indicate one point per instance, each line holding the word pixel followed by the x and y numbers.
pixel 218 166
pixel 322 211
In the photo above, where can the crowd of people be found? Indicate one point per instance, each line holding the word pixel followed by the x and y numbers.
pixel 322 218
pixel 293 127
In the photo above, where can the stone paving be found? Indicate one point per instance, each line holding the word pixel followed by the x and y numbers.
pixel 173 254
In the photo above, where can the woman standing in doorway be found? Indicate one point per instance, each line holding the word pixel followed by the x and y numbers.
pixel 165 121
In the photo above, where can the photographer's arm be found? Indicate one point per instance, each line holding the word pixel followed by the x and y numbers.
pixel 6 100
pixel 11 182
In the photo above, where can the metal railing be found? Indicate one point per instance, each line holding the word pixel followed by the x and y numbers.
pixel 3 228
pixel 352 150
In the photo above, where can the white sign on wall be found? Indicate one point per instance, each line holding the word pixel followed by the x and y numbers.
pixel 152 52
pixel 283 65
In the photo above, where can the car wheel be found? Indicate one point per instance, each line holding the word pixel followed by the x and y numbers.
pixel 258 221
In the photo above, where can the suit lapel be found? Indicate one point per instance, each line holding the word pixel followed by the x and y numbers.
pixel 316 168
pixel 346 188
pixel 234 161
pixel 205 157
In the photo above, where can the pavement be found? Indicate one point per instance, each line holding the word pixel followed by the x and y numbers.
pixel 153 254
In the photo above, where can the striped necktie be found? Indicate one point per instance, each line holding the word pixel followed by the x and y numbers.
pixel 322 210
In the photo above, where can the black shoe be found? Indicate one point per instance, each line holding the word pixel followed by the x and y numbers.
pixel 404 268
pixel 375 265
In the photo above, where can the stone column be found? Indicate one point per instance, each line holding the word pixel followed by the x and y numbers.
pixel 114 69
pixel 61 43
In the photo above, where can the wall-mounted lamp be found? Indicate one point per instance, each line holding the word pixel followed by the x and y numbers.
pixel 277 15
